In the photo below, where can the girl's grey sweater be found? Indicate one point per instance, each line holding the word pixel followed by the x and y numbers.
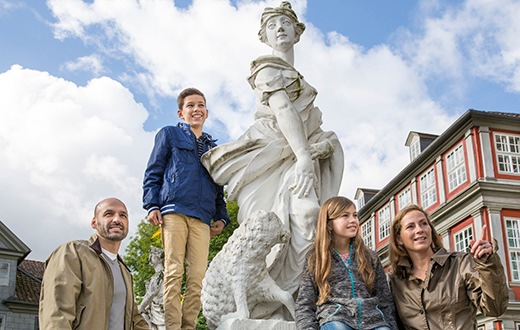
pixel 349 301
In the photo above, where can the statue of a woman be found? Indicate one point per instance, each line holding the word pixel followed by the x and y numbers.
pixel 284 162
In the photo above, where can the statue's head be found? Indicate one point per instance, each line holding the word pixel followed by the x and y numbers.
pixel 155 256
pixel 285 9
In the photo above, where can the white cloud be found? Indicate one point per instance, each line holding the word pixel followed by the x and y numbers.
pixel 92 64
pixel 465 40
pixel 63 148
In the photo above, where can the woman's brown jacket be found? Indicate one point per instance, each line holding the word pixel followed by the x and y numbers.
pixel 456 286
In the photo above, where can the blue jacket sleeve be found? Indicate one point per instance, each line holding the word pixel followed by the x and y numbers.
pixel 221 210
pixel 154 173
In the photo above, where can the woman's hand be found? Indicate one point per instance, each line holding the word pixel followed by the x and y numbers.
pixel 481 247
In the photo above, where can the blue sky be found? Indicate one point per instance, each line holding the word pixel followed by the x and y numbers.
pixel 85 85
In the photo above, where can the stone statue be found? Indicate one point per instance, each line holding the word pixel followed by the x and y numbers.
pixel 285 162
pixel 240 271
pixel 152 307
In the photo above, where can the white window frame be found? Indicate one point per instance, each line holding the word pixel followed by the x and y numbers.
pixel 456 167
pixel 5 273
pixel 404 198
pixel 366 233
pixel 428 188
pixel 462 237
pixel 513 244
pixel 383 216
pixel 415 148
pixel 507 147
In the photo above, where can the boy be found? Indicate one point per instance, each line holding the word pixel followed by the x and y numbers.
pixel 180 195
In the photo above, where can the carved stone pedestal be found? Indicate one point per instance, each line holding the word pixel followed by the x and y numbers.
pixel 257 325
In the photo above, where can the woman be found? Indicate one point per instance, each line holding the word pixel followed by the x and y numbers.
pixel 436 289
pixel 344 286
pixel 284 162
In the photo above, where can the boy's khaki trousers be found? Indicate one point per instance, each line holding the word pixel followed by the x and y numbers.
pixel 184 239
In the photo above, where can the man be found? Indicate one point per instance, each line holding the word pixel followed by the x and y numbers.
pixel 86 285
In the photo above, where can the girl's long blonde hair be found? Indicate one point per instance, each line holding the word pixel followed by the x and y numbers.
pixel 321 254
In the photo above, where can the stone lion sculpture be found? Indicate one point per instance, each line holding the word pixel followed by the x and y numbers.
pixel 238 279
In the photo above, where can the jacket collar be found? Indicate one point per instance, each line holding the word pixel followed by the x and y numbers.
pixel 205 136
pixel 440 257
pixel 95 245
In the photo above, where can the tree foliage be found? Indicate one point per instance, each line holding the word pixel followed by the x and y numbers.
pixel 137 251
pixel 136 255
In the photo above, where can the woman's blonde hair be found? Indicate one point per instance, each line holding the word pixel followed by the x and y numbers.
pixel 320 259
pixel 397 251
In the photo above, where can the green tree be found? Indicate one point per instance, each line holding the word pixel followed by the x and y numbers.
pixel 136 253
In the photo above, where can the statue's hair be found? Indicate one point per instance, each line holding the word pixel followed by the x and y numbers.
pixel 397 251
pixel 284 9
pixel 320 259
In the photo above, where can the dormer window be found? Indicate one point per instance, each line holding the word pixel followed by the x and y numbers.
pixel 4 273
pixel 415 149
pixel 417 142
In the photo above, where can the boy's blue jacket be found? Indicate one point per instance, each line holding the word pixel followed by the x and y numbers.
pixel 176 181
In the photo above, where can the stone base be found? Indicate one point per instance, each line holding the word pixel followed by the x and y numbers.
pixel 236 324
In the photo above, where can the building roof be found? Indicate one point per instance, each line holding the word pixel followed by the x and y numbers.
pixel 28 281
pixel 469 118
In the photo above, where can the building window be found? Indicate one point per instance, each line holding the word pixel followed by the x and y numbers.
pixel 462 239
pixel 2 322
pixel 513 243
pixel 415 148
pixel 366 233
pixel 384 222
pixel 428 191
pixel 508 153
pixel 456 167
pixel 404 198
pixel 4 274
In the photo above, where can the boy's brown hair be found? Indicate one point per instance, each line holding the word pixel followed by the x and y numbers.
pixel 187 92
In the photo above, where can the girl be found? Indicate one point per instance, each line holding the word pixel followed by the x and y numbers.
pixel 344 286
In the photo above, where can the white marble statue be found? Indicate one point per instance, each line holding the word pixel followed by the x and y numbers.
pixel 237 278
pixel 152 307
pixel 285 162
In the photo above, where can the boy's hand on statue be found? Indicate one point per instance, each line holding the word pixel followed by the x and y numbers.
pixel 216 228
pixel 155 218
pixel 304 178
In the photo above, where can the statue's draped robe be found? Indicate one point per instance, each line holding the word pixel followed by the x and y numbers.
pixel 259 167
